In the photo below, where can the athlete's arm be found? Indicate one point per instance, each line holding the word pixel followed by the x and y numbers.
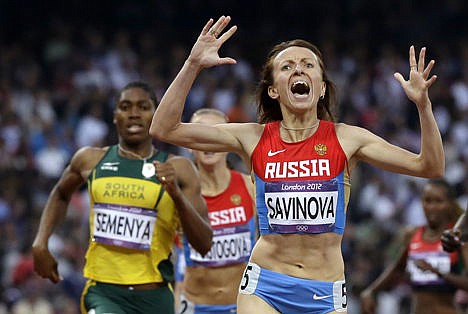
pixel 393 272
pixel 458 280
pixel 55 210
pixel 362 145
pixel 430 161
pixel 166 124
pixel 182 182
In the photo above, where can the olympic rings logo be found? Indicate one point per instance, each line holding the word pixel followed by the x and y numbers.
pixel 302 228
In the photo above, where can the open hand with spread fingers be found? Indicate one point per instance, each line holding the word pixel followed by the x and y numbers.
pixel 204 52
pixel 416 87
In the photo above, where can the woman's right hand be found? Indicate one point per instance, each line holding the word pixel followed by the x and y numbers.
pixel 451 240
pixel 204 52
pixel 45 264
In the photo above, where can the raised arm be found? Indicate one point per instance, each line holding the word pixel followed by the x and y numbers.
pixel 431 158
pixel 430 161
pixel 166 124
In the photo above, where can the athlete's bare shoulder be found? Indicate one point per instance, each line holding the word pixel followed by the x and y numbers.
pixel 352 138
pixel 250 132
pixel 248 135
pixel 86 159
pixel 180 161
pixel 408 232
pixel 347 130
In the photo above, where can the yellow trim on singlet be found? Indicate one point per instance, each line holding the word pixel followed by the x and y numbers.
pixel 123 265
pixel 89 284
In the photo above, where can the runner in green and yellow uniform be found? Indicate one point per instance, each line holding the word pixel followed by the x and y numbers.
pixel 139 197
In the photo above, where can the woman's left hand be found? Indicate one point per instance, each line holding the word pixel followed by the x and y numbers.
pixel 416 87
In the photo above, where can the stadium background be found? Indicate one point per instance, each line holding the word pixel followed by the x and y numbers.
pixel 62 62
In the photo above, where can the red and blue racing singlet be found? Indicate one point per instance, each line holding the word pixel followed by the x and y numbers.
pixel 434 254
pixel 232 219
pixel 302 187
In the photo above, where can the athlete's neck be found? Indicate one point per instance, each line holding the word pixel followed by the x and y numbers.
pixel 143 153
pixel 297 134
pixel 215 180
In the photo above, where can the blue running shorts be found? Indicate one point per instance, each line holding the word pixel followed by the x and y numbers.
pixel 292 295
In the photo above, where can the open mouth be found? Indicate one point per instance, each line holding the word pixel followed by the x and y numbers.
pixel 300 88
pixel 134 128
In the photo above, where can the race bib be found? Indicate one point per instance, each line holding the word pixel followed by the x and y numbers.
pixel 438 260
pixel 302 206
pixel 125 226
pixel 185 306
pixel 250 279
pixel 229 245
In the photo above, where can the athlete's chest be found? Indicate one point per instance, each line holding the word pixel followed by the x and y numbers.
pixel 321 160
pixel 233 208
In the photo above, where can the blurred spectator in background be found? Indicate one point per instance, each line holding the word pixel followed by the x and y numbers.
pixel 421 250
